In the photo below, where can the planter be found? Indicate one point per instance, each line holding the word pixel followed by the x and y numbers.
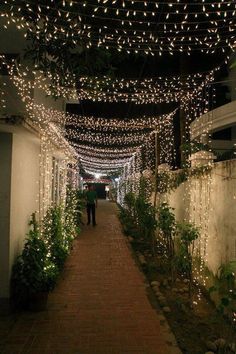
pixel 38 301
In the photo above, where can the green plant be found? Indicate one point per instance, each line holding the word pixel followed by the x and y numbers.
pixel 188 233
pixel 138 216
pixel 73 213
pixel 227 276
pixel 54 232
pixel 144 212
pixel 167 225
pixel 129 201
pixel 169 181
pixel 166 232
pixel 128 223
pixel 194 146
pixel 145 188
pixel 33 271
pixel 225 285
pixel 145 217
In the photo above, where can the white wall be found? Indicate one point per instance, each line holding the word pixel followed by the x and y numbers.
pixel 5 184
pixel 13 103
pixel 210 202
pixel 232 80
pixel 19 189
pixel 24 188
pixel 12 39
pixel 48 102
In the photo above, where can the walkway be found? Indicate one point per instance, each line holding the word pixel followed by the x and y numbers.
pixel 100 304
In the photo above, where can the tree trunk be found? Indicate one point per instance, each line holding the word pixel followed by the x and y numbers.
pixel 182 114
pixel 157 163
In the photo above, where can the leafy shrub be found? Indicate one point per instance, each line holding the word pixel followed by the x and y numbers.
pixel 145 217
pixel 33 270
pixel 129 201
pixel 194 146
pixel 227 276
pixel 138 216
pixel 145 188
pixel 80 205
pixel 168 181
pixel 225 285
pixel 167 225
pixel 72 214
pixel 54 232
pixel 187 234
pixel 45 252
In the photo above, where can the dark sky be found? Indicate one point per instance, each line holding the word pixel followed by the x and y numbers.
pixel 140 67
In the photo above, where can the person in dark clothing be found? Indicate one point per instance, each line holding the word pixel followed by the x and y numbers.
pixel 92 202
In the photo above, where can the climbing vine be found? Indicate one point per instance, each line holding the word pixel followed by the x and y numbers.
pixel 168 181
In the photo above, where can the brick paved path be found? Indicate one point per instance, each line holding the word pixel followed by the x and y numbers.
pixel 100 304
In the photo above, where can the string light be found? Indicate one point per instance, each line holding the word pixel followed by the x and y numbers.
pixel 153 28
pixel 92 122
pixel 157 90
pixel 108 145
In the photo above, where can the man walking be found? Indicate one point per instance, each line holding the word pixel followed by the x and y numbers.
pixel 92 202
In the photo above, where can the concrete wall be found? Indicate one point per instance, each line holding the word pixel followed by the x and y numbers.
pixel 13 103
pixel 5 186
pixel 12 39
pixel 215 120
pixel 232 80
pixel 48 102
pixel 26 176
pixel 19 189
pixel 24 188
pixel 210 202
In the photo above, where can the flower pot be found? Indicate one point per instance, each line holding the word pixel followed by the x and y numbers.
pixel 38 301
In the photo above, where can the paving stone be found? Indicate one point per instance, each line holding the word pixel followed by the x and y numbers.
pixel 166 309
pixel 156 288
pixel 220 343
pixel 155 283
pixel 211 346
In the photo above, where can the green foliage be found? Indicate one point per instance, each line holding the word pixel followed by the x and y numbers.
pixel 189 148
pixel 61 226
pixel 166 219
pixel 44 253
pixel 54 232
pixel 167 225
pixel 66 60
pixel 226 288
pixel 227 275
pixel 169 181
pixel 233 65
pixel 187 234
pixel 194 146
pixel 33 270
pixel 145 217
pixel 129 201
pixel 145 188
pixel 138 216
pixel 80 205
pixel 73 212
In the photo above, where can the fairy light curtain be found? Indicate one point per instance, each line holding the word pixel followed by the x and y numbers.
pixel 134 26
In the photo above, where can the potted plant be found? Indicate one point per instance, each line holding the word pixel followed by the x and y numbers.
pixel 34 274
